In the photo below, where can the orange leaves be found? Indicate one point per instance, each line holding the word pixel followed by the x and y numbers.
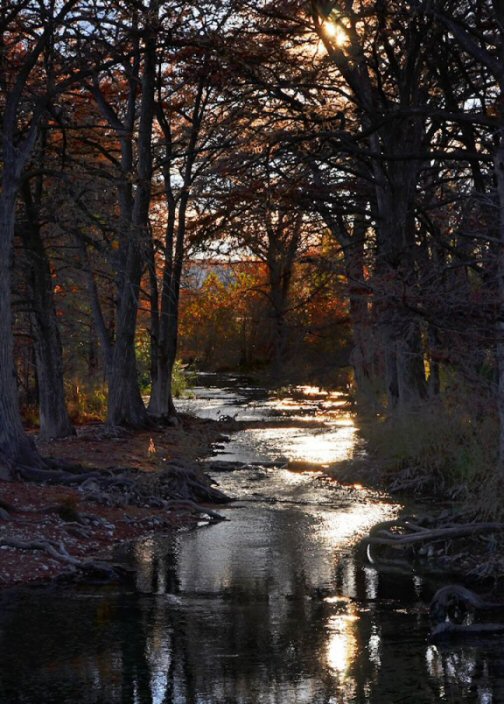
pixel 226 315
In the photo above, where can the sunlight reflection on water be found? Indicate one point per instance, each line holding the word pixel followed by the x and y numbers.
pixel 331 439
pixel 341 642
pixel 312 445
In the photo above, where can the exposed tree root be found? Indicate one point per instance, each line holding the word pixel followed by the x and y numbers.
pixel 449 543
pixel 453 609
pixel 455 599
pixel 422 535
pixel 192 506
pixel 55 550
pixel 53 522
pixel 58 551
pixel 50 476
pixel 177 484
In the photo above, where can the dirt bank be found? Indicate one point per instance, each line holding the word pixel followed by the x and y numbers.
pixel 47 531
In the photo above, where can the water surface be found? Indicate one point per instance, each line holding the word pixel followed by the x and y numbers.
pixel 277 605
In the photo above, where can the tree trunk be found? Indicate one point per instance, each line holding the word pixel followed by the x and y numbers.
pixel 161 403
pixel 279 347
pixel 358 294
pixel 20 126
pixel 282 248
pixel 54 419
pixel 352 244
pixel 499 174
pixel 411 381
pixel 403 354
pixel 125 404
pixel 15 446
pixel 98 325
pixel 395 193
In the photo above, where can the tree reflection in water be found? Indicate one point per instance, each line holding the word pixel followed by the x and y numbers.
pixel 267 635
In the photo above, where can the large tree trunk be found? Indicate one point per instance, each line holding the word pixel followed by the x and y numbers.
pixel 15 446
pixel 394 166
pixel 125 404
pixel 54 419
pixel 395 188
pixel 499 174
pixel 20 125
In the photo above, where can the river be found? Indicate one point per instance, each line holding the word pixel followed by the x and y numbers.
pixel 276 605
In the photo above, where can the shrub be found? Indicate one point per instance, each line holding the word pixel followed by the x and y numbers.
pixel 86 404
pixel 182 380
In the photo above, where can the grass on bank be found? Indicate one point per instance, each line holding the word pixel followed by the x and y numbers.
pixel 438 449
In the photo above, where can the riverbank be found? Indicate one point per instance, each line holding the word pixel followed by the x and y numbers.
pixel 278 601
pixel 47 531
pixel 51 531
pixel 444 534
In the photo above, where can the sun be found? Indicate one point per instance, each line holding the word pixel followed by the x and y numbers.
pixel 335 33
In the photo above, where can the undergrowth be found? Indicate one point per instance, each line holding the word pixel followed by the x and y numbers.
pixel 436 449
pixel 86 404
pixel 89 403
pixel 182 380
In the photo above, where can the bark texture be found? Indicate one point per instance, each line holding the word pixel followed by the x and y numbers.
pixel 54 419
pixel 15 446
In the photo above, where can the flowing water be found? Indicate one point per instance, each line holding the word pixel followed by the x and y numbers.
pixel 277 605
